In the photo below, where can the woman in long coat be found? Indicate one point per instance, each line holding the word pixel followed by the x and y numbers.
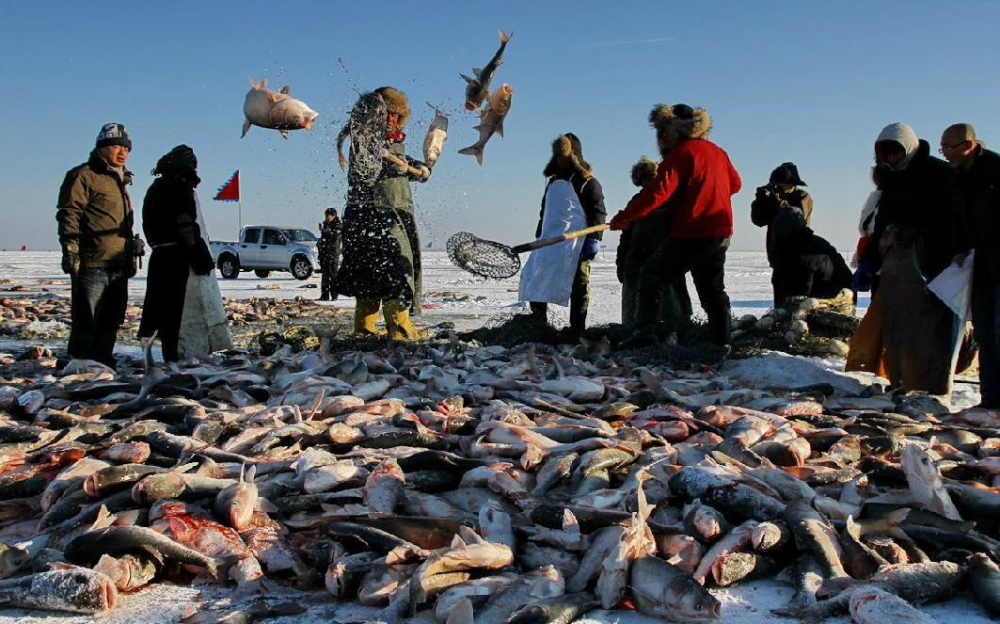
pixel 381 261
pixel 183 305
pixel 908 335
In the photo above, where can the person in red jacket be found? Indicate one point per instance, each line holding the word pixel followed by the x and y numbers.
pixel 694 183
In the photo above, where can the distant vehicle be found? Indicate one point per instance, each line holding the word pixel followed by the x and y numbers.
pixel 266 248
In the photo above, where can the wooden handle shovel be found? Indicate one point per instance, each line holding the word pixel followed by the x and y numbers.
pixel 545 242
pixel 399 162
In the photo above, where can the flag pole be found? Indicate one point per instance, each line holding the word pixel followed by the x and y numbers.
pixel 239 205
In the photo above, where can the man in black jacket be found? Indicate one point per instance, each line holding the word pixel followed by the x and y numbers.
pixel 329 249
pixel 974 184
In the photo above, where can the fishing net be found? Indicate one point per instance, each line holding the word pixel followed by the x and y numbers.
pixel 367 128
pixel 481 257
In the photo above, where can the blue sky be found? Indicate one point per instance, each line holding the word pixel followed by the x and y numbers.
pixel 811 82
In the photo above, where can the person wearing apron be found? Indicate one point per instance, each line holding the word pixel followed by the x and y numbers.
pixel 573 200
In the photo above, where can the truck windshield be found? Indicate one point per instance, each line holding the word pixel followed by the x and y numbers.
pixel 300 236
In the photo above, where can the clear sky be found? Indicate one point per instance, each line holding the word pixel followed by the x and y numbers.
pixel 811 82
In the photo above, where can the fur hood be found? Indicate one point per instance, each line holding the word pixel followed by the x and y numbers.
pixel 643 171
pixel 680 120
pixel 397 102
pixel 568 145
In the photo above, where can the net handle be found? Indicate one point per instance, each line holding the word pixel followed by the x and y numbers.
pixel 399 162
pixel 545 242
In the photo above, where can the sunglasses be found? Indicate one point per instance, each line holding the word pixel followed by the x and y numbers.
pixel 950 147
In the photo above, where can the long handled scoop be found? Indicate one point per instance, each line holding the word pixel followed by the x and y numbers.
pixel 495 260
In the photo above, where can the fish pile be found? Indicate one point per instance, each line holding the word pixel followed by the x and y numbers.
pixel 802 326
pixel 483 484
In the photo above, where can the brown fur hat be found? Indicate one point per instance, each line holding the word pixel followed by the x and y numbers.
pixel 680 119
pixel 396 102
pixel 643 171
pixel 568 145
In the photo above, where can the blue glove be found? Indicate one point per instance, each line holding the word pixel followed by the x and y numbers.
pixel 590 247
pixel 862 279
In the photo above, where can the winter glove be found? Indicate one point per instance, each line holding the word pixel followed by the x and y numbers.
pixel 425 173
pixel 590 248
pixel 862 279
pixel 70 262
pixel 201 262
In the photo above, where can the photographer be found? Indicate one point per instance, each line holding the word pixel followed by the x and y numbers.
pixel 782 208
pixel 100 252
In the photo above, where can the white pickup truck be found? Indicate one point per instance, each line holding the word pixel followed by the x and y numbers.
pixel 266 248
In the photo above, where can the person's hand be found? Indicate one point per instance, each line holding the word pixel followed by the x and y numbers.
pixel 861 281
pixel 617 223
pixel 342 162
pixel 959 259
pixel 202 263
pixel 425 173
pixel 590 249
pixel 70 262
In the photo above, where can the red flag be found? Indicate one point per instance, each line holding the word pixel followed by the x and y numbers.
pixel 230 191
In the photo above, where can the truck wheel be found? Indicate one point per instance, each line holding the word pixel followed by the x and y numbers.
pixel 261 273
pixel 301 268
pixel 229 266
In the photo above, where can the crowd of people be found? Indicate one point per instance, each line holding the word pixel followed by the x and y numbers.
pixel 925 215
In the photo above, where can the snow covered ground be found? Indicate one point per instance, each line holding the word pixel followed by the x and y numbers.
pixel 449 293
pixel 452 295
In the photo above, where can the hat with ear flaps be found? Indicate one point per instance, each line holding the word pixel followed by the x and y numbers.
pixel 569 146
pixel 680 119
pixel 397 102
pixel 644 171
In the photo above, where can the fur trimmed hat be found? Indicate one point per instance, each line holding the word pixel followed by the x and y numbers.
pixel 680 119
pixel 644 171
pixel 568 145
pixel 397 102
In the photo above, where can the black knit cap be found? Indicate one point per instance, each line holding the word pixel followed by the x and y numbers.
pixel 114 134
pixel 786 173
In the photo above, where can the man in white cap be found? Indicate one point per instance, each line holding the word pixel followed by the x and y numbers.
pixel 95 230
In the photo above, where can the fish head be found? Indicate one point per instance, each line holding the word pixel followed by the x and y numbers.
pixel 918 466
pixel 79 587
pixel 12 560
pixel 292 114
pixel 692 602
pixel 242 506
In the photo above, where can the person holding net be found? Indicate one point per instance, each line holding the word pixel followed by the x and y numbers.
pixel 573 200
pixel 381 248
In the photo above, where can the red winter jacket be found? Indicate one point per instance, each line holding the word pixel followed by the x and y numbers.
pixel 695 184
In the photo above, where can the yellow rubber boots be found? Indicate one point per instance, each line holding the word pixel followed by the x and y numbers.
pixel 397 320
pixel 365 316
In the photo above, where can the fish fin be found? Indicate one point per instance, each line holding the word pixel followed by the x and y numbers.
pixel 851 528
pixel 263 83
pixel 499 129
pixel 469 536
pixel 253 83
pixel 285 89
pixel 897 517
pixel 570 523
pixel 473 150
pixel 504 37
pixel 462 613
pixel 104 519
pixel 467 79
pixel 251 473
pixel 477 71
pixel 184 468
pixel 246 127
pixel 456 542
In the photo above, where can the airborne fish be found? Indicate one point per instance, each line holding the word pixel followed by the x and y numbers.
pixel 479 87
pixel 275 109
pixel 491 121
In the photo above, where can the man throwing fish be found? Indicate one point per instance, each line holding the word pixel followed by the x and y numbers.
pixel 694 184
pixel 381 261
pixel 98 249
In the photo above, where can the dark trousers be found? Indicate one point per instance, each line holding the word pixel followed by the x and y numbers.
pixel 98 310
pixel 579 300
pixel 328 269
pixel 705 259
pixel 985 318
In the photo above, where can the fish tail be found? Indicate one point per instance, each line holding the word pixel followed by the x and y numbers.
pixel 504 37
pixel 474 150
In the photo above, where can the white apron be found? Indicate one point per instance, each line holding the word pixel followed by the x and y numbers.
pixel 548 274
pixel 204 328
